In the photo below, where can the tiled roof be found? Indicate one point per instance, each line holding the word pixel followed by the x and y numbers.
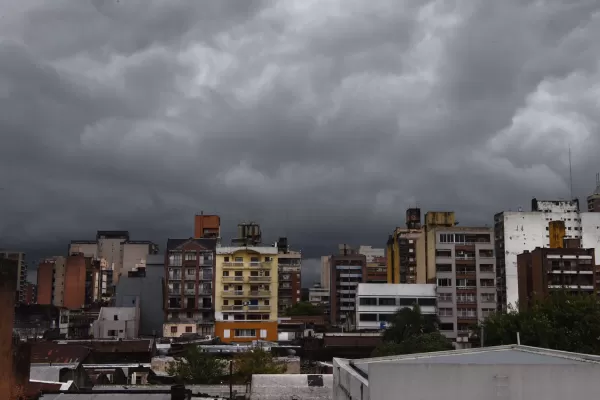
pixel 209 244
pixel 50 352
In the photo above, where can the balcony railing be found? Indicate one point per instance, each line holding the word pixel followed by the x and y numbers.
pixel 190 291
pixel 259 279
pixel 190 277
pixel 260 293
pixel 466 300
pixel 258 308
pixel 233 293
pixel 233 265
pixel 204 292
pixel 174 277
pixel 233 279
pixel 233 308
pixel 175 291
pixel 206 262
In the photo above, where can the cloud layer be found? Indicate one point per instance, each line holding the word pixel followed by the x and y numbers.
pixel 322 120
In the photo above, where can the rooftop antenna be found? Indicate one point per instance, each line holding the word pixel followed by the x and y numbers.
pixel 570 173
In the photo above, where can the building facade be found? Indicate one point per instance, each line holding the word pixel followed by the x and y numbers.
pixel 19 257
pixel 377 303
pixel 347 271
pixel 405 252
pixel 376 264
pixel 121 253
pixel 145 287
pixel 465 266
pixel 117 323
pixel 593 200
pixel 516 232
pixel 207 226
pixel 289 276
pixel 325 271
pixel 545 270
pixel 189 276
pixel 246 295
pixel 319 296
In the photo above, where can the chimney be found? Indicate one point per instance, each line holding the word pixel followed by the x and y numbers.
pixel 178 392
pixel 557 234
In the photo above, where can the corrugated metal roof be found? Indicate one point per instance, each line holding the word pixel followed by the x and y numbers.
pixel 506 355
pixel 396 289
pixel 106 396
pixel 211 390
pixel 50 352
pixel 298 386
pixel 48 373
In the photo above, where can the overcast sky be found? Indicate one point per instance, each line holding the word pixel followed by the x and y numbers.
pixel 322 120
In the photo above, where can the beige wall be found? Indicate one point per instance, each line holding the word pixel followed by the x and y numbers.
pixel 325 271
pixel 133 255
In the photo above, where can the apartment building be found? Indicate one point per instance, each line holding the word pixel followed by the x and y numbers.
pixel 376 264
pixel 325 271
pixel 290 276
pixel 518 231
pixel 347 270
pixel 246 295
pixel 189 276
pixel 319 296
pixel 207 226
pixel 73 282
pixel 377 303
pixel 405 251
pixel 558 268
pixel 466 278
pixel 120 252
pixel 117 323
pixel 19 257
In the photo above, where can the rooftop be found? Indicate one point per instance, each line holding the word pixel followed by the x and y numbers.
pixel 207 243
pixel 297 386
pixel 50 352
pixel 498 355
pixel 396 289
pixel 258 249
pixel 48 373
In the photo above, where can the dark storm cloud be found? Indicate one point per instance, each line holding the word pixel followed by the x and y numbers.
pixel 321 120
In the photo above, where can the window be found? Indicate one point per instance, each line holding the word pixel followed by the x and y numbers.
pixel 443 253
pixel 191 271
pixel 386 301
pixel 239 273
pixel 175 259
pixel 112 332
pixel 368 317
pixel 225 273
pixel 239 259
pixel 488 297
pixel 189 256
pixel 368 301
pixel 245 333
pixel 225 317
pixel 116 317
pixel 173 329
pixel 189 315
pixel 225 302
pixel 427 302
pixel 386 317
pixel 466 283
pixel 444 282
pixel 266 302
pixel 486 268
pixel 487 282
pixel 254 259
pixel 443 267
pixel 444 297
pixel 408 301
pixel 486 312
pixel 447 326
pixel 226 259
pixel 446 238
pixel 445 312
pixel 466 312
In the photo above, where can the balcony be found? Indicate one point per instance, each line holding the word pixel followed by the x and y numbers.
pixel 260 293
pixel 262 265
pixel 174 277
pixel 232 293
pixel 204 292
pixel 190 292
pixel 207 262
pixel 259 278
pixel 259 308
pixel 466 300
pixel 176 291
pixel 233 308
pixel 190 277
pixel 233 279
pixel 233 265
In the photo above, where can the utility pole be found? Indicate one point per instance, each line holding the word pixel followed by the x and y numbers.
pixel 231 379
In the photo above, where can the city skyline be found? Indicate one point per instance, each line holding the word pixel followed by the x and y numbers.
pixel 323 123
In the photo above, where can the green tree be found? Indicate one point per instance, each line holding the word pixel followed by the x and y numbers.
pixel 256 361
pixel 424 343
pixel 411 332
pixel 198 367
pixel 562 321
pixel 304 308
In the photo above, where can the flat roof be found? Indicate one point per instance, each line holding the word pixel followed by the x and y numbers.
pixel 396 289
pixel 497 355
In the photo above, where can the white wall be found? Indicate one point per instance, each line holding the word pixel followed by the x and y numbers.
pixel 477 382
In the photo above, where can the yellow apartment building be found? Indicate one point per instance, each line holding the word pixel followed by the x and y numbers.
pixel 246 284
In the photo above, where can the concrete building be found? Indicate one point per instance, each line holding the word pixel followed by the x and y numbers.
pixel 465 267
pixel 593 200
pixel 518 231
pixel 246 278
pixel 145 286
pixel 544 270
pixel 19 257
pixel 207 226
pixel 117 323
pixel 319 296
pixel 405 251
pixel 347 271
pixel 376 264
pixel 189 266
pixel 290 276
pixel 121 253
pixel 325 271
pixel 376 303
pixel 503 372
pixel 30 293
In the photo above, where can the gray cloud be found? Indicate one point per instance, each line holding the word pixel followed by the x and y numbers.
pixel 321 120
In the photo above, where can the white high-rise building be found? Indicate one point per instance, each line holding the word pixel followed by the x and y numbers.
pixel 518 231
